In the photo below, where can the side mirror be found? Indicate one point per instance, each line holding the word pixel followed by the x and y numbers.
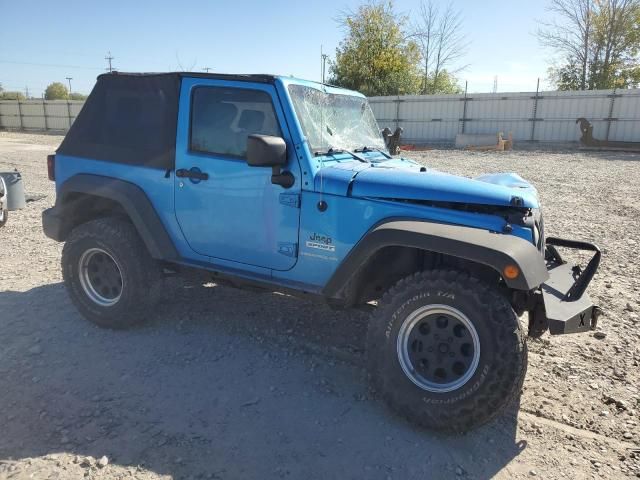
pixel 269 151
pixel 266 151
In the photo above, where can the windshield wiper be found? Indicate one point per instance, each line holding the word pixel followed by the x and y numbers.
pixel 366 149
pixel 335 151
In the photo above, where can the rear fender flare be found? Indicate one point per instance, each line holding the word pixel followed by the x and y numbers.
pixel 131 198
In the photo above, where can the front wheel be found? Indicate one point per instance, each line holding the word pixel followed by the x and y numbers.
pixel 446 351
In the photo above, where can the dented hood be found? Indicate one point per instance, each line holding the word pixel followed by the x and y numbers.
pixel 405 180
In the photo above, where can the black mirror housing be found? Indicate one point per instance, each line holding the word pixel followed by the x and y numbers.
pixel 269 151
pixel 266 151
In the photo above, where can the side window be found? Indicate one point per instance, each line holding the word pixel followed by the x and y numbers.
pixel 223 118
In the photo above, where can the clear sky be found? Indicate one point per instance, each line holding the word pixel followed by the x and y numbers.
pixel 40 44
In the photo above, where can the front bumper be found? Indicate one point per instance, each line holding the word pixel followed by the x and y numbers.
pixel 567 306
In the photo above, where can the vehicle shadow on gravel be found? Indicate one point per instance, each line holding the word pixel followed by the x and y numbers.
pixel 223 384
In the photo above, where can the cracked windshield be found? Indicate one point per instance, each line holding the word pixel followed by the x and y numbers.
pixel 338 122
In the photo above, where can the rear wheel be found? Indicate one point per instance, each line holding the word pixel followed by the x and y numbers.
pixel 4 216
pixel 446 351
pixel 110 276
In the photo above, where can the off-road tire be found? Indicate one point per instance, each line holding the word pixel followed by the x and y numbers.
pixel 4 216
pixel 141 275
pixel 501 368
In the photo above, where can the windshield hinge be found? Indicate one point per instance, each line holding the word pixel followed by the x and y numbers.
pixel 290 199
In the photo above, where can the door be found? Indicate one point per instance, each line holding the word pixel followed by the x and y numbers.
pixel 226 209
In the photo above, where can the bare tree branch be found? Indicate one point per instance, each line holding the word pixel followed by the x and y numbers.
pixel 441 39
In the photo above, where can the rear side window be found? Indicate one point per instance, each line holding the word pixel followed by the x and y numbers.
pixel 132 119
pixel 129 119
pixel 223 118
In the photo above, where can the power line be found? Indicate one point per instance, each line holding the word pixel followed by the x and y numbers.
pixel 54 65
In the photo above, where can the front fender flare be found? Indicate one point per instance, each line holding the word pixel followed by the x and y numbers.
pixel 495 250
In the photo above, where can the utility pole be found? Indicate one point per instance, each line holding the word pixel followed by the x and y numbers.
pixel 323 59
pixel 206 69
pixel 108 58
pixel 69 80
pixel 495 84
pixel 26 92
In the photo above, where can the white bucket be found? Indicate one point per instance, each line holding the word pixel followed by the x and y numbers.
pixel 13 188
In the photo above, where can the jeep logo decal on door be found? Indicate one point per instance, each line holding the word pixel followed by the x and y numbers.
pixel 321 242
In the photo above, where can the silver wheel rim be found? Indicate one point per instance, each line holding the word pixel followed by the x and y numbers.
pixel 100 277
pixel 434 343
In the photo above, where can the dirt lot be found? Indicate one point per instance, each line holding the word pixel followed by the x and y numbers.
pixel 232 384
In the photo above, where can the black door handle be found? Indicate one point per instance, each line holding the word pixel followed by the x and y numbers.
pixel 194 173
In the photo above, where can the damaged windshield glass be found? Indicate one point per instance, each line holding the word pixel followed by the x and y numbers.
pixel 338 122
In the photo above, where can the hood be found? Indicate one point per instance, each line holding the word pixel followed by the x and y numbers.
pixel 407 180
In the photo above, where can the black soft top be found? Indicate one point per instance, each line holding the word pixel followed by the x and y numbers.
pixel 131 118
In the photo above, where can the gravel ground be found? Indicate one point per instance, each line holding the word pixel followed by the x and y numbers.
pixel 233 384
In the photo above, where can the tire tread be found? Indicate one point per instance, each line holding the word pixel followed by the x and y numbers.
pixel 482 406
pixel 120 235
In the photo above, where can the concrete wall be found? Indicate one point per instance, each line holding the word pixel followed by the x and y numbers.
pixel 54 115
pixel 545 117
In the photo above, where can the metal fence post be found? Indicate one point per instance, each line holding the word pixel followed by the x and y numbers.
pixel 20 114
pixel 534 119
pixel 44 113
pixel 398 112
pixel 609 118
pixel 463 120
pixel 69 112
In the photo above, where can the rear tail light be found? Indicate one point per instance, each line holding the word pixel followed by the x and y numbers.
pixel 51 167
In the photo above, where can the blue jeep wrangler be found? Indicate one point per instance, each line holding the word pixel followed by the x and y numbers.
pixel 285 184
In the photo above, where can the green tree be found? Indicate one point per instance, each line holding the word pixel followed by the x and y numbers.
pixel 442 83
pixel 376 57
pixel 56 91
pixel 598 43
pixel 6 95
pixel 568 75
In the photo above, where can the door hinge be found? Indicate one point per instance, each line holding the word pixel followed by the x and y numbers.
pixel 288 249
pixel 290 199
